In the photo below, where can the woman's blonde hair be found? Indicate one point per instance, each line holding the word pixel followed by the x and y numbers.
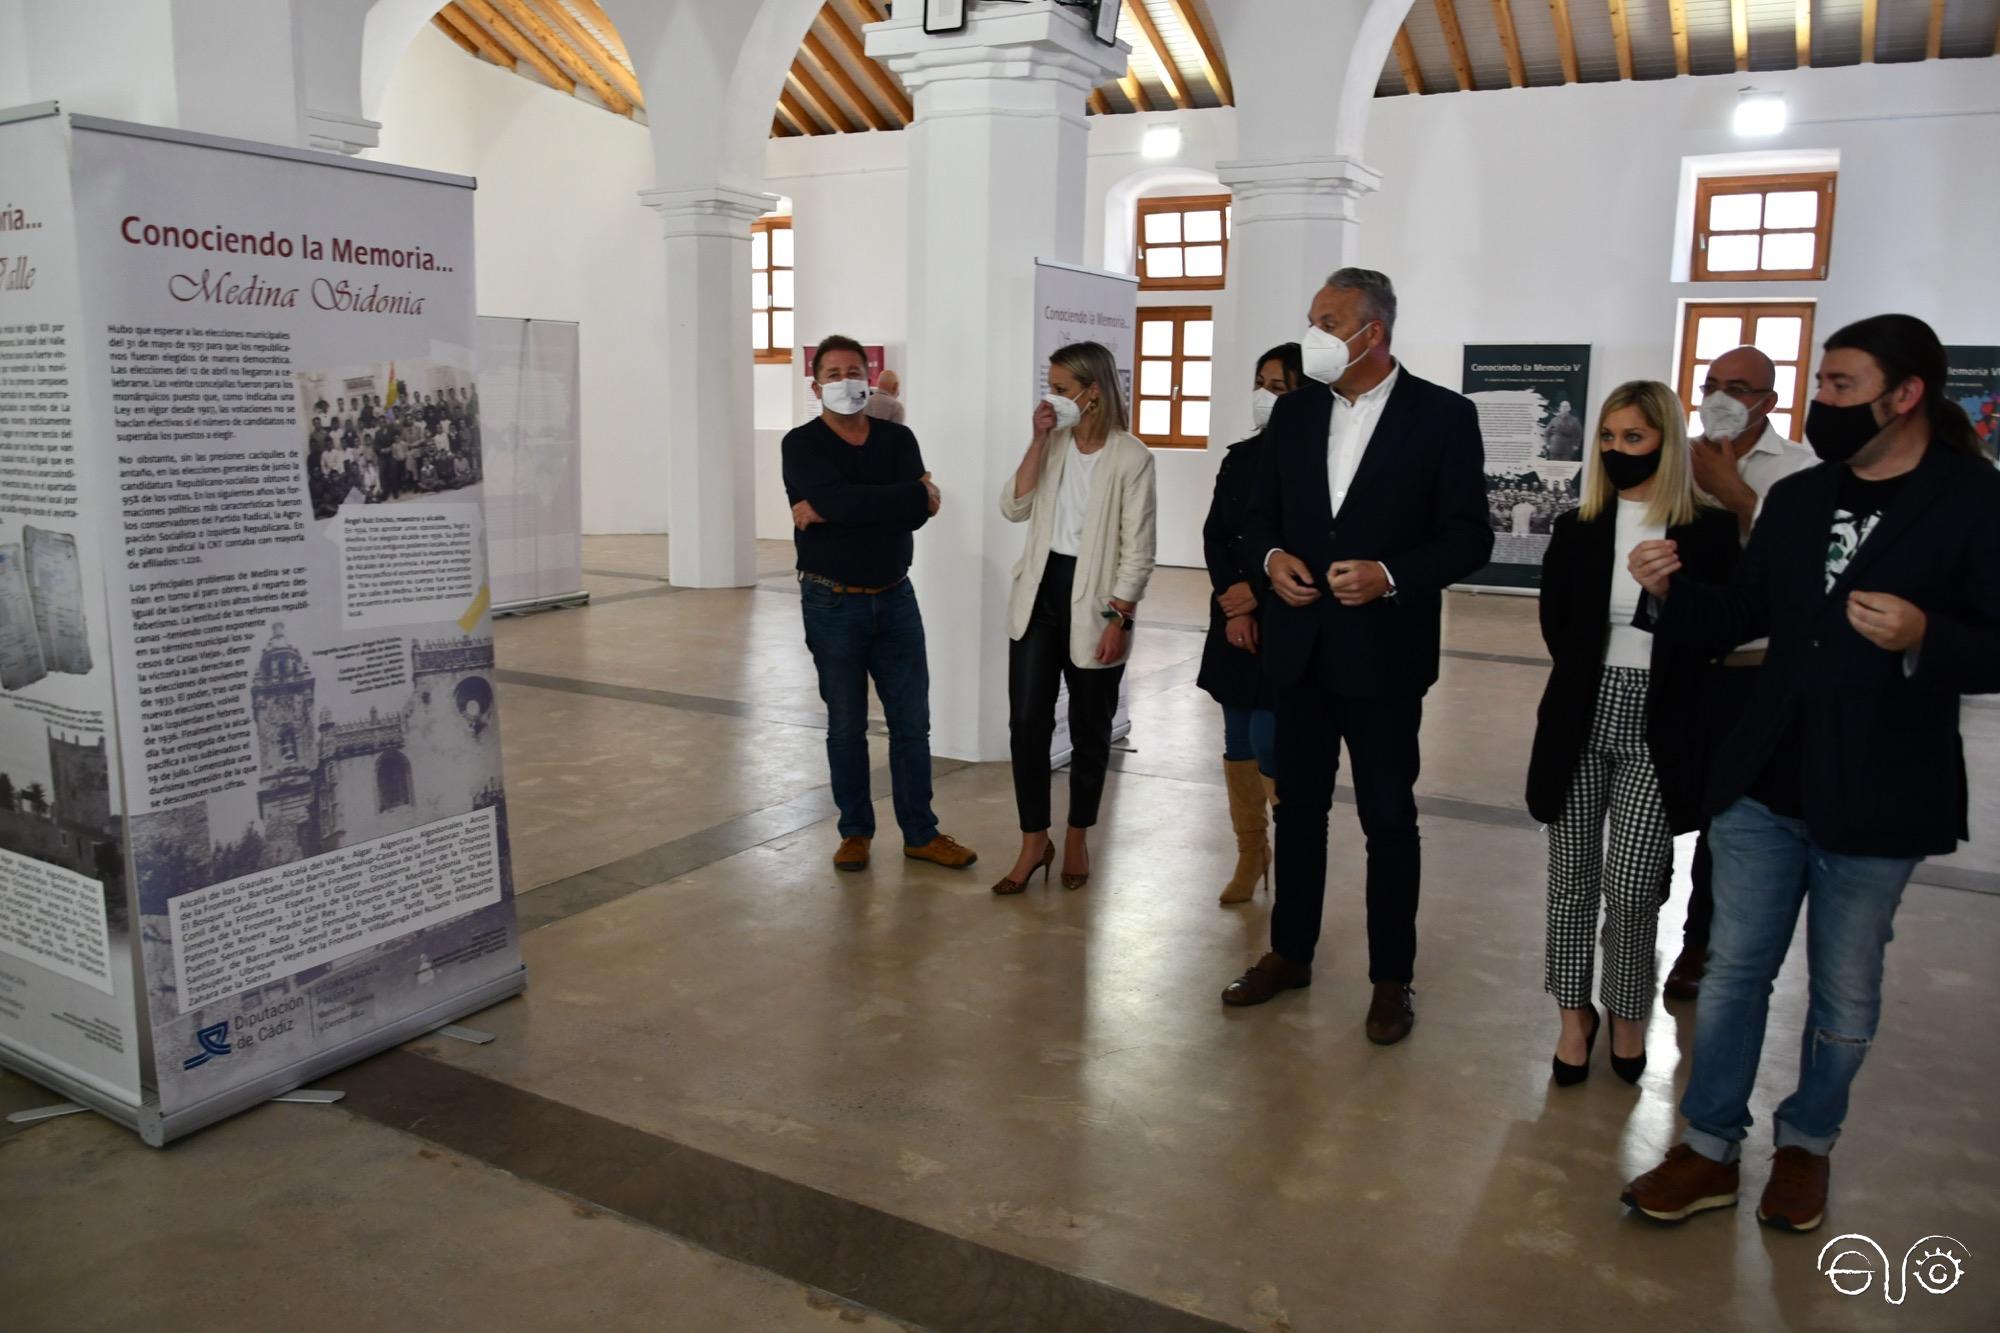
pixel 1674 500
pixel 1093 364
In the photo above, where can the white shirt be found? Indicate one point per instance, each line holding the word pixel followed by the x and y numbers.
pixel 1628 645
pixel 1770 461
pixel 1347 438
pixel 1348 434
pixel 1073 500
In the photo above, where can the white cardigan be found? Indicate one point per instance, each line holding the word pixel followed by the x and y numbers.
pixel 1116 558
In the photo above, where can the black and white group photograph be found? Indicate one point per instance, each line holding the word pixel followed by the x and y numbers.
pixel 378 435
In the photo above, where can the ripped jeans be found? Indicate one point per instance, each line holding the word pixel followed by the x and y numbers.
pixel 1766 867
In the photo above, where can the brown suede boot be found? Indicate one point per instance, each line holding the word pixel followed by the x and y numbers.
pixel 1246 815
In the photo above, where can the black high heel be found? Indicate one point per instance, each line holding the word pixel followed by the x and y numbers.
pixel 1568 1075
pixel 1629 1067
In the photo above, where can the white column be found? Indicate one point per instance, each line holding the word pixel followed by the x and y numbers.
pixel 1293 223
pixel 706 384
pixel 996 179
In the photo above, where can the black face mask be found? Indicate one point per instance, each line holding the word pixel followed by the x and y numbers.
pixel 1836 434
pixel 1629 470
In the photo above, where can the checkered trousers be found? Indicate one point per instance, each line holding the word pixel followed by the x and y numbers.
pixel 1614 773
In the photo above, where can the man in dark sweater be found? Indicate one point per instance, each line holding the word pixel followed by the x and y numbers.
pixel 859 490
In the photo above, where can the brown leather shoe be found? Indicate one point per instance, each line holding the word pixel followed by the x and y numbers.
pixel 1266 977
pixel 1684 980
pixel 1391 1013
pixel 853 854
pixel 1795 1196
pixel 943 851
pixel 1684 1184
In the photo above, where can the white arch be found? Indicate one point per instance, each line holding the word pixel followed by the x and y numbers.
pixel 387 29
pixel 1120 202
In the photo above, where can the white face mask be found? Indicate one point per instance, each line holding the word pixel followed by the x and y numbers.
pixel 1722 416
pixel 1261 403
pixel 1067 412
pixel 844 397
pixel 1326 355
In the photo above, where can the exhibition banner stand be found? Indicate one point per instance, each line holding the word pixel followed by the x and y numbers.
pixel 1075 304
pixel 1533 400
pixel 532 451
pixel 252 827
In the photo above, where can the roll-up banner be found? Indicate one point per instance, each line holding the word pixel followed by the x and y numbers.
pixel 281 561
pixel 531 450
pixel 1532 399
pixel 1972 380
pixel 1075 304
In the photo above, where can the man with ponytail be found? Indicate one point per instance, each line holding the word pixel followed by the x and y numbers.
pixel 1877 577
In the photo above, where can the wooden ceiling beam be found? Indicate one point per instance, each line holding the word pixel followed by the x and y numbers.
pixel 573 64
pixel 780 130
pixel 1565 39
pixel 458 38
pixel 481 39
pixel 1677 15
pixel 1934 39
pixel 1454 37
pixel 514 40
pixel 818 99
pixel 595 50
pixel 1621 34
pixel 799 115
pixel 1099 103
pixel 1135 92
pixel 1510 42
pixel 854 99
pixel 1213 69
pixel 1163 60
pixel 883 82
pixel 1802 23
pixel 1406 60
pixel 593 13
pixel 1868 20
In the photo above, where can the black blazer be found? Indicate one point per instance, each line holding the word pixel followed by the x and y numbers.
pixel 1575 601
pixel 1417 504
pixel 1233 676
pixel 1884 770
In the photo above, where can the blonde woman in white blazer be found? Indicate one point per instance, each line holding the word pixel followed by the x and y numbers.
pixel 1085 490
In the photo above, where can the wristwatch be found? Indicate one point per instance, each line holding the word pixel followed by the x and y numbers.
pixel 1113 613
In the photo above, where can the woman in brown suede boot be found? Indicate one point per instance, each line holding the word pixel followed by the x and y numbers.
pixel 1230 670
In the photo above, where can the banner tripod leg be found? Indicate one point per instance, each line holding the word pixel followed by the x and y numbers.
pixel 45 1113
pixel 463 1033
pixel 310 1096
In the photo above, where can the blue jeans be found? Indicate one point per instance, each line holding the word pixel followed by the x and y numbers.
pixel 853 636
pixel 1251 733
pixel 1766 867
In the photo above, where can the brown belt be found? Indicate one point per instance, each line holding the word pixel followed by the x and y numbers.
pixel 1745 657
pixel 837 586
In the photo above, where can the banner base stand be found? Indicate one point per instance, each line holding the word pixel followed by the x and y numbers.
pixel 310 1096
pixel 157 1129
pixel 554 603
pixel 459 1032
pixel 41 1113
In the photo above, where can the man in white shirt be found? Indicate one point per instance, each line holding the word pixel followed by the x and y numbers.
pixel 1737 458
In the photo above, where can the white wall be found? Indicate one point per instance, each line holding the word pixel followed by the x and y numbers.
pixel 561 234
pixel 1549 214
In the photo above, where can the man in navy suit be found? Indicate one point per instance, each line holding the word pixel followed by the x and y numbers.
pixel 1371 501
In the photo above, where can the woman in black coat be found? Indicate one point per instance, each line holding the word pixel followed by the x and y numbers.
pixel 1617 732
pixel 1230 670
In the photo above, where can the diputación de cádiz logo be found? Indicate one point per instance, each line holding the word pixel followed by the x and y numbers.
pixel 1851 1262
pixel 214 1041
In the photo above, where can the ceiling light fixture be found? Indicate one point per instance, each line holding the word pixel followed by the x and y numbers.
pixel 1759 114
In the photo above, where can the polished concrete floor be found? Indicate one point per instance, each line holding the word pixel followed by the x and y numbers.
pixel 742 1092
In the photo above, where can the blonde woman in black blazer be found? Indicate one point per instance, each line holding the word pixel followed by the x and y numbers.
pixel 1616 734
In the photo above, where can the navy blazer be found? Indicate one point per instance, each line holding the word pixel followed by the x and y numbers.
pixel 1417 504
pixel 1883 765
